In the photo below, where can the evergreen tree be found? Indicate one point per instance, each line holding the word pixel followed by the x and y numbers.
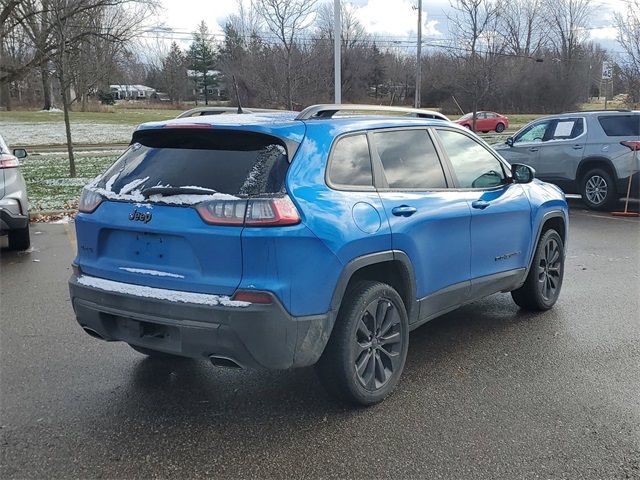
pixel 377 69
pixel 201 59
pixel 174 73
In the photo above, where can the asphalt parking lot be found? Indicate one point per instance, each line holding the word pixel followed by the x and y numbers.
pixel 488 391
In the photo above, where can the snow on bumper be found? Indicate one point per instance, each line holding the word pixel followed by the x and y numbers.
pixel 159 293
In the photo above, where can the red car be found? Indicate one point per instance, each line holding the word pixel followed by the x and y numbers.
pixel 485 122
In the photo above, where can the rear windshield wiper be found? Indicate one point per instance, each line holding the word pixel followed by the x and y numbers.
pixel 168 191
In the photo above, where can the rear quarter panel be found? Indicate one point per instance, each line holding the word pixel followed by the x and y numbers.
pixel 329 216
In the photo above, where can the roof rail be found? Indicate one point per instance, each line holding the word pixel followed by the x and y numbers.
pixel 329 110
pixel 610 110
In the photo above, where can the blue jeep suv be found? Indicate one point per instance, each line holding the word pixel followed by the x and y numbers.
pixel 279 240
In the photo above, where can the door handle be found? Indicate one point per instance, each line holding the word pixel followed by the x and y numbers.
pixel 534 149
pixel 577 147
pixel 404 211
pixel 480 204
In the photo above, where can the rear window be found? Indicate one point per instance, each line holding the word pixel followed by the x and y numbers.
pixel 235 163
pixel 620 125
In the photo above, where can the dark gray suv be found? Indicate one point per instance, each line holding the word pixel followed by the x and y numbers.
pixel 590 153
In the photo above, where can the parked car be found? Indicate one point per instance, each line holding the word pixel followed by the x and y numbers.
pixel 590 153
pixel 14 210
pixel 280 241
pixel 485 122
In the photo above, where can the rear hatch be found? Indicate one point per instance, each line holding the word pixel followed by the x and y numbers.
pixel 169 213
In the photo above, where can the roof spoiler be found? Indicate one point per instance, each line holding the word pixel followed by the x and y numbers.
pixel 329 110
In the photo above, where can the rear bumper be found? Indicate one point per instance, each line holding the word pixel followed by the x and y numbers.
pixel 12 221
pixel 256 336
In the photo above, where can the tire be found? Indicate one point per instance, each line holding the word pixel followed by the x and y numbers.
pixel 598 190
pixel 19 239
pixel 157 354
pixel 500 128
pixel 544 281
pixel 365 356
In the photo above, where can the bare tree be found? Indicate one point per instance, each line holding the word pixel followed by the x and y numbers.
pixel 628 25
pixel 567 21
pixel 62 30
pixel 476 23
pixel 286 19
pixel 522 27
pixel 354 42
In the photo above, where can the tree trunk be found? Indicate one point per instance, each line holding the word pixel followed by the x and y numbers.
pixel 288 86
pixel 206 93
pixel 67 123
pixel 5 96
pixel 46 87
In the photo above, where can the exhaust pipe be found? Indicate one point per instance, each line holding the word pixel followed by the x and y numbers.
pixel 224 362
pixel 93 333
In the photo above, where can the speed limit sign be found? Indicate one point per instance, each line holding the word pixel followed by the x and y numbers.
pixel 607 70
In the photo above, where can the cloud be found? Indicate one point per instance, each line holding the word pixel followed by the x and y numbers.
pixel 396 17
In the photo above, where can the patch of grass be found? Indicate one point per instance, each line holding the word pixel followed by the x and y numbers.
pixel 47 176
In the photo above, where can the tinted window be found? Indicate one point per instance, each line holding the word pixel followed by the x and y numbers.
pixel 473 164
pixel 567 128
pixel 620 125
pixel 351 163
pixel 534 133
pixel 409 159
pixel 236 163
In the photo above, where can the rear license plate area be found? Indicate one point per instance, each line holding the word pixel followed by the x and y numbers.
pixel 139 332
pixel 149 248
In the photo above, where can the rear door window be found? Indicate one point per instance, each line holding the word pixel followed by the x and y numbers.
pixel 350 164
pixel 567 129
pixel 235 163
pixel 620 125
pixel 409 159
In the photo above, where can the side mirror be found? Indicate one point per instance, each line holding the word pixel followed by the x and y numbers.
pixel 509 141
pixel 19 153
pixel 522 173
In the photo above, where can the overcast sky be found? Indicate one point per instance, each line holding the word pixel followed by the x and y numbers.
pixel 380 17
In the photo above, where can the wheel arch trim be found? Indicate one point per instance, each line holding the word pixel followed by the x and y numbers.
pixel 585 164
pixel 545 217
pixel 363 261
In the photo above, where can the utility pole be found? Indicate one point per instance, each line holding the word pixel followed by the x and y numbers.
pixel 337 51
pixel 419 58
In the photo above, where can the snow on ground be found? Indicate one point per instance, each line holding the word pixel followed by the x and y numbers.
pixel 47 175
pixel 159 293
pixel 53 133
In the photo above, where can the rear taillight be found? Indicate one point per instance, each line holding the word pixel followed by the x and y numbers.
pixel 272 211
pixel 254 212
pixel 223 212
pixel 8 161
pixel 632 144
pixel 89 201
